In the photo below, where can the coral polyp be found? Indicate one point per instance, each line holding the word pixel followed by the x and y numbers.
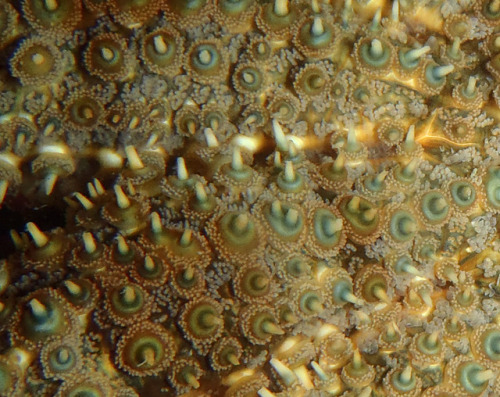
pixel 272 198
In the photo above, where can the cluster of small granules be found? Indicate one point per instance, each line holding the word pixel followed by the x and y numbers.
pixel 258 198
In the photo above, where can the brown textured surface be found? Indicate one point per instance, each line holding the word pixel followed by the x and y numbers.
pixel 185 229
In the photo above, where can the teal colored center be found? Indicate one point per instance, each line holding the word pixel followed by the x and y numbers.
pixel 315 41
pixel 256 77
pixel 233 235
pixel 165 58
pixel 404 62
pixel 492 186
pixel 425 347
pixel 467 376
pixel 403 176
pixel 40 327
pixel 402 263
pixel 60 363
pixel 430 209
pixel 201 65
pixel 431 78
pixel 397 226
pixel 280 224
pixel 491 344
pixel 340 288
pixel 403 386
pixel 463 193
pixel 368 57
pixel 138 347
pixel 292 186
pixel 322 219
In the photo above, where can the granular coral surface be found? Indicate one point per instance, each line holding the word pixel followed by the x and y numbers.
pixel 249 198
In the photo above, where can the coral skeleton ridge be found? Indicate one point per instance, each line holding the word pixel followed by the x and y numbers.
pixel 249 198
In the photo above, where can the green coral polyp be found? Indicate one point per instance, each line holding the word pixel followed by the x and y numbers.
pixel 490 342
pixel 427 345
pixel 62 359
pixel 186 279
pixel 327 227
pixel 250 78
pixel 42 318
pixel 334 171
pixel 275 21
pixel 35 62
pixel 144 352
pixel 290 185
pixel 403 226
pixel 402 384
pixel 105 57
pixel 371 287
pixel 255 283
pixel 203 321
pixel 259 324
pixel 238 230
pixel 492 187
pixel 364 219
pixel 432 77
pixel 434 206
pixel 491 10
pixel 50 13
pixel 205 59
pixel 310 302
pixel 341 288
pixel 468 377
pixel 312 82
pixel 286 221
pixel 407 60
pixel 242 174
pixel 81 294
pixel 108 55
pixel 297 266
pixel 127 300
pixel 160 48
pixel 151 269
pixel 50 250
pixel 375 53
pixel 314 39
pixel 375 183
pixel 84 111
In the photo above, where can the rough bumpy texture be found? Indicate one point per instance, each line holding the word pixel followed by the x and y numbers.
pixel 250 198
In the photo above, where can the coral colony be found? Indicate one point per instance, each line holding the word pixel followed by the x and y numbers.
pixel 250 198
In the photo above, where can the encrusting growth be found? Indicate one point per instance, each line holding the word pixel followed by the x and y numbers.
pixel 237 198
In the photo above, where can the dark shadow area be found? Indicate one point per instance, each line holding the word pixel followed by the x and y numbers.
pixel 45 217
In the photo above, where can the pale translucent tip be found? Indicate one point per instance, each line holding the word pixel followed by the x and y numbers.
pixel 281 7
pixel 121 198
pixel 39 238
pixel 182 172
